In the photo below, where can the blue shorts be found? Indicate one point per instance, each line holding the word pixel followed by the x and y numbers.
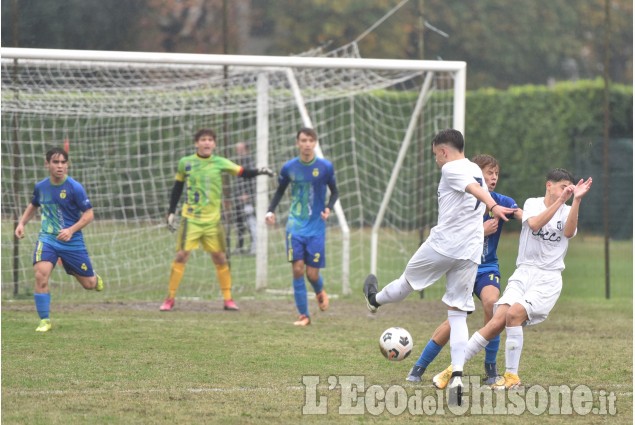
pixel 75 262
pixel 486 279
pixel 311 249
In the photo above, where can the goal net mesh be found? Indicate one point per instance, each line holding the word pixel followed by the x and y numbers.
pixel 127 124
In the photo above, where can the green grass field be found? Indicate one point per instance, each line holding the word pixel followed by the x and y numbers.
pixel 116 360
pixel 128 363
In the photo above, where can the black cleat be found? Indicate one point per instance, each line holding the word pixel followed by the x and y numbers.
pixel 370 288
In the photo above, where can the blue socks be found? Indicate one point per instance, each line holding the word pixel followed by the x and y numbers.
pixel 432 349
pixel 42 305
pixel 299 293
pixel 491 349
pixel 319 285
pixel 429 353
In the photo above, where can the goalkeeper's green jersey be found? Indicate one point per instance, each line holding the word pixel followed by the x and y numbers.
pixel 204 185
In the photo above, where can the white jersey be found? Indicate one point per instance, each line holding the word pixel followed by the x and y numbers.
pixel 547 247
pixel 459 230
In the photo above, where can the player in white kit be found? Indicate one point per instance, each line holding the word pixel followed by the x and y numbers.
pixel 532 291
pixel 453 248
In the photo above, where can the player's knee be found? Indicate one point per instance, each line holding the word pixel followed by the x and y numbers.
pixel 41 281
pixel 219 258
pixel 182 257
pixel 516 316
pixel 298 269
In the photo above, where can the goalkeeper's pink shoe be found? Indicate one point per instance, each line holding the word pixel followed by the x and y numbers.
pixel 230 305
pixel 167 305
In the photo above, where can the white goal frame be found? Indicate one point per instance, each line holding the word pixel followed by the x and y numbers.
pixel 287 64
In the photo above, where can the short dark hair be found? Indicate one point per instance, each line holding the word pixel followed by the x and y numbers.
pixel 56 151
pixel 450 137
pixel 485 160
pixel 308 131
pixel 204 132
pixel 560 174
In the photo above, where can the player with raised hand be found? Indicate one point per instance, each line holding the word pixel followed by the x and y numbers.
pixel 309 176
pixel 487 284
pixel 200 174
pixel 534 287
pixel 453 249
pixel 66 210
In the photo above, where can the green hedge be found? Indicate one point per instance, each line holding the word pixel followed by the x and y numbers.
pixel 532 129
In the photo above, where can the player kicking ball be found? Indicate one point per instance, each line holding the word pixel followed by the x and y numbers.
pixel 453 249
pixel 533 289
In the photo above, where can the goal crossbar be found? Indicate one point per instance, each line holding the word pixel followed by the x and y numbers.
pixel 233 60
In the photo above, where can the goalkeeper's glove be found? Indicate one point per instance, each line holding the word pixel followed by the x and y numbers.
pixel 265 170
pixel 171 221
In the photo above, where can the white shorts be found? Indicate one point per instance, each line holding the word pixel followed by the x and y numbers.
pixel 428 266
pixel 535 289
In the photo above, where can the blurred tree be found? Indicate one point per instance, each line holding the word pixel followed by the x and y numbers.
pixel 194 26
pixel 73 24
pixel 504 42
pixel 534 42
pixel 297 27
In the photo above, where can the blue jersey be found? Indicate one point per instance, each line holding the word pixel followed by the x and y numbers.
pixel 489 259
pixel 308 194
pixel 62 205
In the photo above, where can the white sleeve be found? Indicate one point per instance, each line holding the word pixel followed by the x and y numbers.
pixel 458 178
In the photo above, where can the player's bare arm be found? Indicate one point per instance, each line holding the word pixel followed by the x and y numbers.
pixel 87 217
pixel 28 214
pixel 496 211
pixel 579 191
pixel 537 222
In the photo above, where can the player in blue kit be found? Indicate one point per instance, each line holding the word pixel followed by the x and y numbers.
pixel 66 210
pixel 309 177
pixel 486 285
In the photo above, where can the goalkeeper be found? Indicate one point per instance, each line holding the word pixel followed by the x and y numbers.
pixel 201 176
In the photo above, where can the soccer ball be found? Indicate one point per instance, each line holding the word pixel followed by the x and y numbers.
pixel 395 344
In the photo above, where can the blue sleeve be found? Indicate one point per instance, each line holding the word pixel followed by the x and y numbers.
pixel 332 187
pixel 508 202
pixel 81 199
pixel 283 182
pixel 35 199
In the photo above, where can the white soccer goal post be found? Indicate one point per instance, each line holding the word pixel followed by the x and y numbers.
pixel 128 117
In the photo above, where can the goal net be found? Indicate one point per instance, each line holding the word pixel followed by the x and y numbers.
pixel 128 117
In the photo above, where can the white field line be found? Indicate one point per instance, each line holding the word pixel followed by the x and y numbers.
pixel 229 390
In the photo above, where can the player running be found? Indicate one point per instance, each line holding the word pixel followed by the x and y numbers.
pixel 66 210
